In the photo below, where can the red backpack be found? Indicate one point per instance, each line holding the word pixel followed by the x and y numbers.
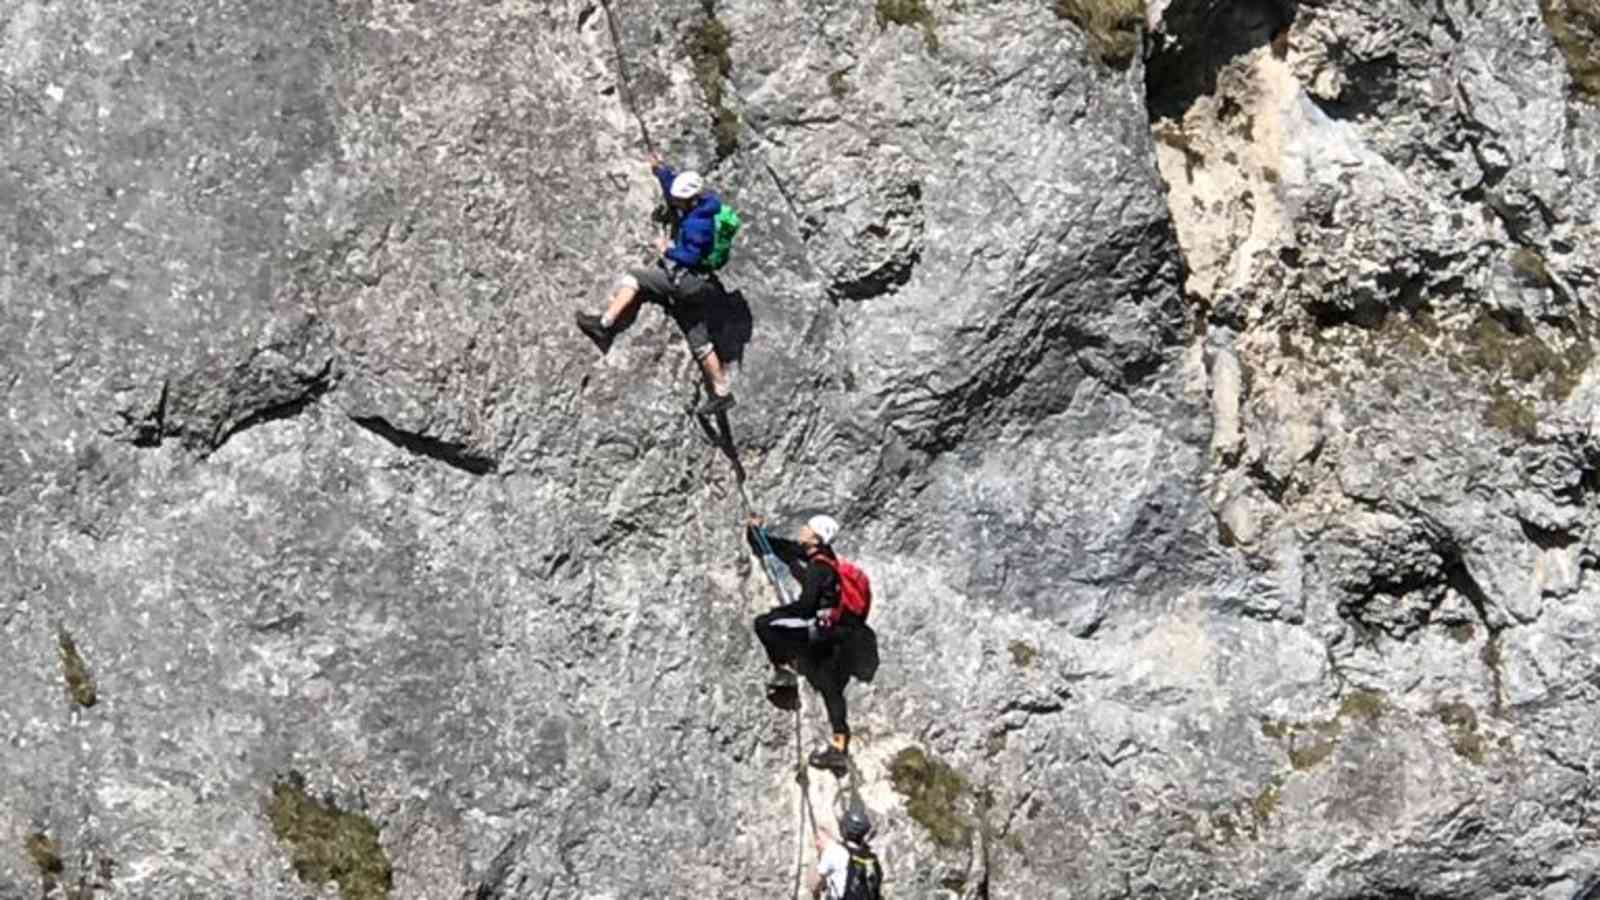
pixel 855 589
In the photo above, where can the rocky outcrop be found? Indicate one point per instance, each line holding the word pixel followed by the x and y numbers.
pixel 1213 420
pixel 1386 218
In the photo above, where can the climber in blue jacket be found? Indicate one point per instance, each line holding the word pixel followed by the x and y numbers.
pixel 681 279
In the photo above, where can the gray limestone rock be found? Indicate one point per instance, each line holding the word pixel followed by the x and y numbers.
pixel 1217 431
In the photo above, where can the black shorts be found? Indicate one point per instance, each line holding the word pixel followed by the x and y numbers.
pixel 687 301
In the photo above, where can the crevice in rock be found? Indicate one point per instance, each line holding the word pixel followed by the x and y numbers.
pixel 1546 538
pixel 455 455
pixel 1370 85
pixel 285 624
pixel 1274 487
pixel 1197 39
pixel 493 885
pixel 783 191
pixel 220 397
pixel 903 215
pixel 1395 608
pixel 150 432
pixel 1399 294
pixel 1461 581
pixel 1588 482
pixel 288 409
pixel 1399 593
pixel 885 279
pixel 1394 892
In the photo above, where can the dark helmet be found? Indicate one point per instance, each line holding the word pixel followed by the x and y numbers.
pixel 854 825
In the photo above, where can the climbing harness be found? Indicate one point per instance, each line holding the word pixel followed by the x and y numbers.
pixel 622 76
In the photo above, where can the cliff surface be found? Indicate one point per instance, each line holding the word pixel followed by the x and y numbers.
pixel 1208 392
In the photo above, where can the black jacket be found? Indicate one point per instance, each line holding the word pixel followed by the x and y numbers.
pixel 819 583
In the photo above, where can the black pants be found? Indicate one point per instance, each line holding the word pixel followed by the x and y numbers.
pixel 785 635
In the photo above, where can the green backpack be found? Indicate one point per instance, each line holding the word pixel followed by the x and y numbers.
pixel 728 223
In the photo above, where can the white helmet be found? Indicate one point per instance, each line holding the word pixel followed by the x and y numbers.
pixel 824 527
pixel 687 185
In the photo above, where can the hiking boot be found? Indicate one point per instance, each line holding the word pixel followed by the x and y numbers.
pixel 591 325
pixel 782 680
pixel 714 404
pixel 831 758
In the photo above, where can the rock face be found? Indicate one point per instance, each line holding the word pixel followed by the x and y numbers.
pixel 1217 426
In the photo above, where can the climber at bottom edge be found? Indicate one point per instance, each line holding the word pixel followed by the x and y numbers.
pixel 823 629
pixel 847 869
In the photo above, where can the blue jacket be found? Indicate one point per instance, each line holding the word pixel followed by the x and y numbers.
pixel 697 229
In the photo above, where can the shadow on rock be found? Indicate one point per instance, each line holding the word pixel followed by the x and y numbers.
pixel 731 326
pixel 720 435
pixel 864 655
pixel 784 698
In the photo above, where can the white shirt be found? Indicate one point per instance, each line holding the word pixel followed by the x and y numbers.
pixel 834 866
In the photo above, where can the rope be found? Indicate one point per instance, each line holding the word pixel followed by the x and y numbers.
pixel 622 76
pixel 805 805
pixel 807 814
pixel 768 557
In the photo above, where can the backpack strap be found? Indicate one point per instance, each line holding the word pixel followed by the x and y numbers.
pixel 838 580
pixel 862 855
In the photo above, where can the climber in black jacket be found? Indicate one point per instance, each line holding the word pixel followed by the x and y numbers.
pixel 793 632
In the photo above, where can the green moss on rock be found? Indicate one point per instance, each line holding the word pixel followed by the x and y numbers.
pixel 934 796
pixel 327 844
pixel 80 683
pixel 1264 805
pixel 1309 744
pixel 910 13
pixel 707 47
pixel 725 131
pixel 1246 817
pixel 1465 738
pixel 839 84
pixel 1575 25
pixel 1023 654
pixel 1367 706
pixel 1515 360
pixel 1310 753
pixel 709 41
pixel 1511 414
pixel 1528 264
pixel 1515 367
pixel 1112 26
pixel 45 854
